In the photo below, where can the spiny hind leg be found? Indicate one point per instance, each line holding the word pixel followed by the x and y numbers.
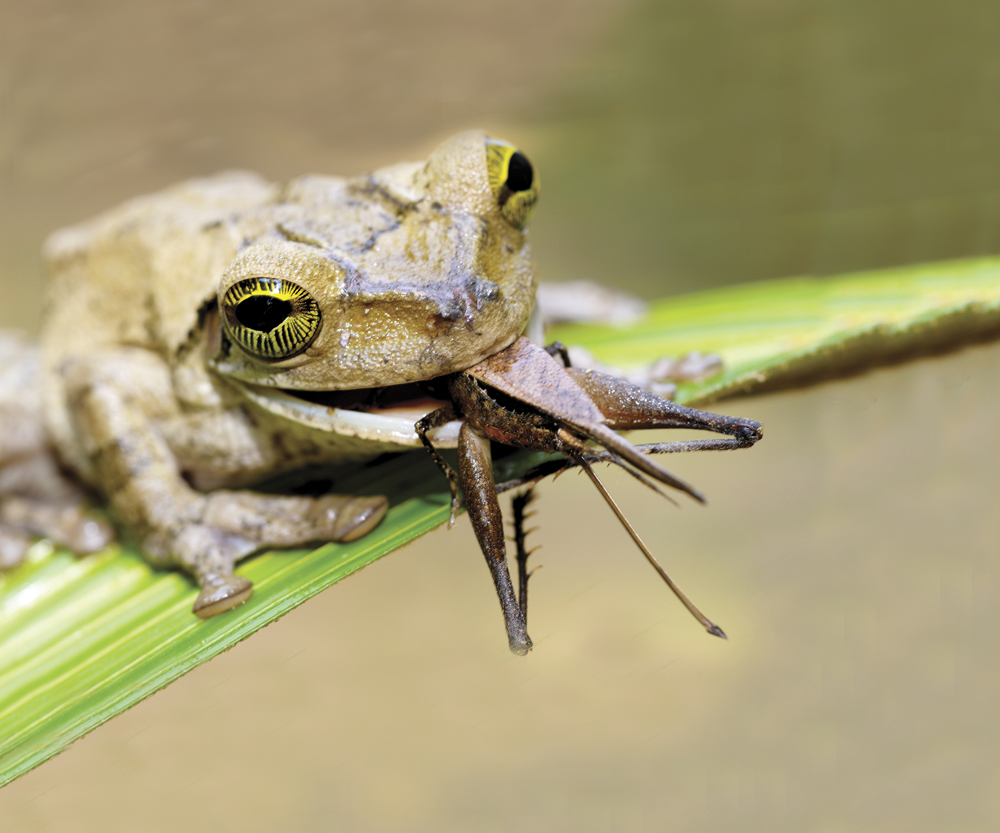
pixel 476 471
pixel 519 505
pixel 627 406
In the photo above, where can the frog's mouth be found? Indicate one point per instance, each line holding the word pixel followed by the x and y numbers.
pixel 383 415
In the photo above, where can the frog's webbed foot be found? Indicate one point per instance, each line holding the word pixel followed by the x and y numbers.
pixel 586 302
pixel 38 501
pixel 67 523
pixel 285 521
pixel 590 303
pixel 218 529
pixel 660 377
pixel 24 519
pixel 13 545
pixel 221 593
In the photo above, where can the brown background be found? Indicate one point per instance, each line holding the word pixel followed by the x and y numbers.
pixel 852 557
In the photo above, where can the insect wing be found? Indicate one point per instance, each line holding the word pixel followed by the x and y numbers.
pixel 527 373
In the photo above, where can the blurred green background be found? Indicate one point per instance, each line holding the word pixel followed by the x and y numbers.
pixel 852 556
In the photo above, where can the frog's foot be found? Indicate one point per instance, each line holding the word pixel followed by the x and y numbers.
pixel 283 521
pixel 23 521
pixel 13 545
pixel 221 593
pixel 223 527
pixel 67 523
pixel 38 501
pixel 586 302
pixel 662 376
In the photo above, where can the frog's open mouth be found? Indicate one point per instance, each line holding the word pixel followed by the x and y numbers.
pixel 383 415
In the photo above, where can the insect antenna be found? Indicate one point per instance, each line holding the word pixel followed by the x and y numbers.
pixel 707 623
pixel 608 457
pixel 558 466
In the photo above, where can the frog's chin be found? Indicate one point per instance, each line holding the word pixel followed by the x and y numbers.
pixel 388 425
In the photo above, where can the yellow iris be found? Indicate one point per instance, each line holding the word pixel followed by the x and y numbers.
pixel 272 318
pixel 514 181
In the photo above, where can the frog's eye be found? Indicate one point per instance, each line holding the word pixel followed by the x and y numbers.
pixel 513 180
pixel 270 317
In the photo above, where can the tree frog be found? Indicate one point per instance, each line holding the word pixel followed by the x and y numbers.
pixel 202 339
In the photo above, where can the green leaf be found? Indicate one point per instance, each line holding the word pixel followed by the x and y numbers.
pixel 790 333
pixel 85 639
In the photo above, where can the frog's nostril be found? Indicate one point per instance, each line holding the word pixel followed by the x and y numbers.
pixel 262 312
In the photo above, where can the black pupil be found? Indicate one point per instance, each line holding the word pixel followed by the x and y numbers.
pixel 262 312
pixel 519 173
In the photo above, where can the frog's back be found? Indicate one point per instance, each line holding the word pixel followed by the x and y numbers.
pixel 138 273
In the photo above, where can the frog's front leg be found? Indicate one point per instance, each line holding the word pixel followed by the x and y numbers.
pixel 116 399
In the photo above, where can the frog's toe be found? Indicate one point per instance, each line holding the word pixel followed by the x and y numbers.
pixel 13 545
pixel 91 535
pixel 65 521
pixel 83 533
pixel 357 517
pixel 221 593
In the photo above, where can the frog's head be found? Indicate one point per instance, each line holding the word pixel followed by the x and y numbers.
pixel 409 273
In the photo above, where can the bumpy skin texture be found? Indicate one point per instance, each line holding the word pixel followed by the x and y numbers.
pixel 415 271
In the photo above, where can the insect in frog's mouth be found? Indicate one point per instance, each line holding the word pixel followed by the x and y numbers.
pixel 385 415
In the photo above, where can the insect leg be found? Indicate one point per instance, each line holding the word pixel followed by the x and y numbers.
pixel 628 407
pixel 475 468
pixel 520 507
pixel 433 420
pixel 561 464
pixel 557 348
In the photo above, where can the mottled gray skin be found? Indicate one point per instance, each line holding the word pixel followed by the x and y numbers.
pixel 415 271
pixel 36 499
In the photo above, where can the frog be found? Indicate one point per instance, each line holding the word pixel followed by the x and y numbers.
pixel 229 330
